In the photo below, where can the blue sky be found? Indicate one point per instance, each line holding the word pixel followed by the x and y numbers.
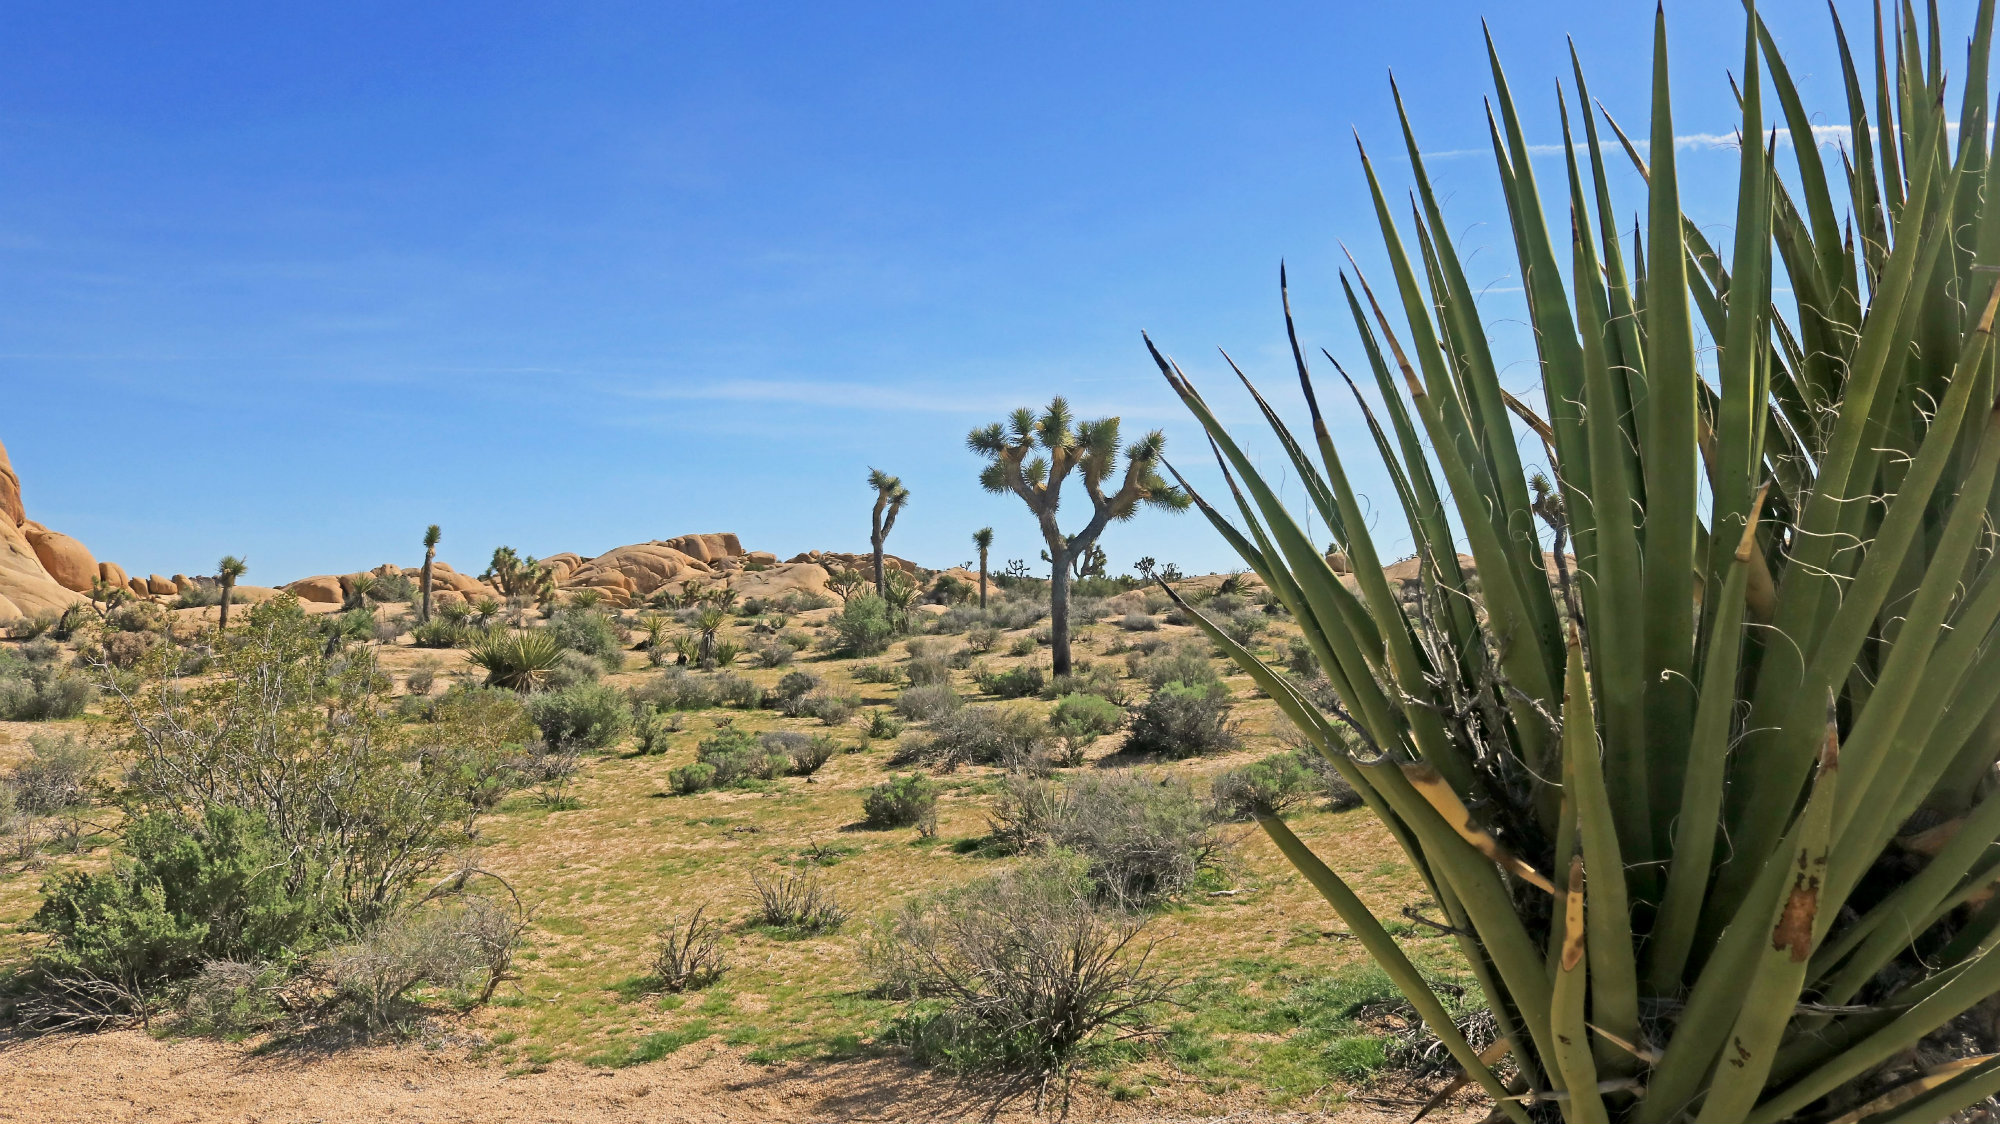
pixel 294 281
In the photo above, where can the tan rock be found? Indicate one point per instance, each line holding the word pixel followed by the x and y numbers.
pixel 139 586
pixel 644 566
pixel 63 558
pixel 182 583
pixel 322 589
pixel 760 558
pixel 10 495
pixel 159 585
pixel 864 563
pixel 706 548
pixel 252 594
pixel 444 577
pixel 783 578
pixel 114 574
pixel 25 587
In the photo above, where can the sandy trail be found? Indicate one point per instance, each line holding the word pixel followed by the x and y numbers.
pixel 130 1076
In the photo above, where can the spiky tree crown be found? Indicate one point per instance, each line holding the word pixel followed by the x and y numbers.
pixel 1031 456
pixel 432 534
pixel 230 568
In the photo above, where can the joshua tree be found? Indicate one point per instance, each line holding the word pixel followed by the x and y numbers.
pixel 431 536
pixel 983 539
pixel 890 496
pixel 1037 477
pixel 227 571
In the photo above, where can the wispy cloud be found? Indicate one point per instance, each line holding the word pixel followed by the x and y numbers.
pixel 946 397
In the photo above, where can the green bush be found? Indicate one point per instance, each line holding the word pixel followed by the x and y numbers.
pixel 1018 682
pixel 1269 787
pixel 439 632
pixel 183 894
pixel 902 802
pixel 1079 720
pixel 1183 720
pixel 588 631
pixel 863 627
pixel 928 704
pixel 882 724
pixel 1178 663
pixel 738 755
pixel 976 735
pixel 677 689
pixel 737 690
pixel 38 691
pixel 832 709
pixel 687 779
pixel 792 687
pixel 586 716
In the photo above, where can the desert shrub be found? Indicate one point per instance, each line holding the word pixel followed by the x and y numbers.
pixel 948 590
pixel 464 945
pixel 41 692
pixel 1175 663
pixel 1270 787
pixel 653 728
pixel 877 672
pixel 548 768
pixel 724 652
pixel 440 632
pixel 421 679
pixel 1029 970
pixel 364 806
pixel 687 779
pixel 1017 682
pixel 737 756
pixel 687 954
pixel 124 650
pixel 862 627
pixel 1023 646
pixel 928 704
pixel 41 650
pixel 981 638
pixel 1144 839
pixel 477 738
pixel 1079 720
pixel 775 653
pixel 182 894
pixel 1332 787
pixel 587 631
pixel 57 774
pixel 928 670
pixel 230 996
pixel 1024 818
pixel 905 801
pixel 573 669
pixel 792 687
pixel 517 659
pixel 34 625
pixel 1183 720
pixel 738 690
pixel 1136 621
pixel 809 754
pixel 975 735
pixel 136 616
pixel 198 596
pixel 882 724
pixel 586 716
pixel 832 709
pixel 677 689
pixel 1245 626
pixel 797 902
pixel 1088 678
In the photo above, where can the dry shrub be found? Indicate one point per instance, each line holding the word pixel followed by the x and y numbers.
pixel 797 902
pixel 688 954
pixel 1030 970
pixel 1142 839
pixel 461 945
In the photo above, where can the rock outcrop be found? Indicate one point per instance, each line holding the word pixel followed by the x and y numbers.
pixel 780 579
pixel 322 588
pixel 66 560
pixel 10 492
pixel 113 573
pixel 706 549
pixel 865 563
pixel 637 570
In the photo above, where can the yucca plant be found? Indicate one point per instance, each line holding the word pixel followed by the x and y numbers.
pixel 1659 765
pixel 517 659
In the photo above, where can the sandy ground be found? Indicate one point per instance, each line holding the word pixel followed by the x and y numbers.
pixel 130 1076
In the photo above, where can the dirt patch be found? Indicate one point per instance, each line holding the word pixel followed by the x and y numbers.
pixel 130 1076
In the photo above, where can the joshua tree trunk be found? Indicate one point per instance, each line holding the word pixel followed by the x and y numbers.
pixel 875 541
pixel 1059 604
pixel 430 553
pixel 228 587
pixel 982 577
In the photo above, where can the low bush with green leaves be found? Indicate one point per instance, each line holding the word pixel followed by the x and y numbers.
pixel 928 704
pixel 588 631
pixel 1183 720
pixel 585 716
pixel 39 692
pixel 1181 662
pixel 1142 838
pixel 902 801
pixel 1018 682
pixel 976 735
pixel 1078 721
pixel 863 626
pixel 676 688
